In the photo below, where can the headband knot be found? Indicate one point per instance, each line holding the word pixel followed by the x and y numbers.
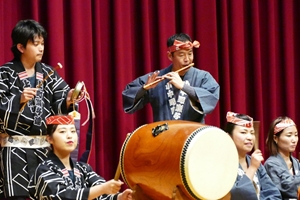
pixel 283 124
pixel 177 45
pixel 232 118
pixel 60 120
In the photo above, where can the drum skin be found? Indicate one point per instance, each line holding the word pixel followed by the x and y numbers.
pixel 198 159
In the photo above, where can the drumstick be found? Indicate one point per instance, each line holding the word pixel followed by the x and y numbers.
pixel 59 66
pixel 159 80
pixel 118 172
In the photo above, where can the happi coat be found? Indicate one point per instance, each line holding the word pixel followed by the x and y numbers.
pixel 261 188
pixel 17 163
pixel 50 99
pixel 165 105
pixel 52 180
pixel 278 171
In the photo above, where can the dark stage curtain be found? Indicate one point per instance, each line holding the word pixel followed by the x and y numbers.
pixel 251 47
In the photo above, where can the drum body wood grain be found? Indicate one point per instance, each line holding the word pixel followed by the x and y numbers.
pixel 199 160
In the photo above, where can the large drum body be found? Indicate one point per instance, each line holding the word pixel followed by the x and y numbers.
pixel 161 158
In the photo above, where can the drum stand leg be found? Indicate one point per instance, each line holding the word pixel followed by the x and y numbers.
pixel 138 194
pixel 178 194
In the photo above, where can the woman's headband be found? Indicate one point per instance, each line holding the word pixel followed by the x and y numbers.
pixel 60 120
pixel 232 118
pixel 283 124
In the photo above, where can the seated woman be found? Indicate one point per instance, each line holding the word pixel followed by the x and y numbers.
pixel 281 166
pixel 58 177
pixel 252 181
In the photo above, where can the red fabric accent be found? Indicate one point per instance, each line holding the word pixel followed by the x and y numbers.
pixel 60 120
pixel 232 118
pixel 183 45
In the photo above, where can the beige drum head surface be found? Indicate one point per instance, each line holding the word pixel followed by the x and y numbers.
pixel 209 163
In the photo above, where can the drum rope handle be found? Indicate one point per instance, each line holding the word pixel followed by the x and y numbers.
pixel 84 95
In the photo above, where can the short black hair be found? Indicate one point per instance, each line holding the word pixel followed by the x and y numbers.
pixel 183 37
pixel 24 31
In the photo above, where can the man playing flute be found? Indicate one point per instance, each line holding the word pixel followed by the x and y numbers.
pixel 175 94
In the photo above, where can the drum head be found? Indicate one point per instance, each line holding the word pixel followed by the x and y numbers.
pixel 209 163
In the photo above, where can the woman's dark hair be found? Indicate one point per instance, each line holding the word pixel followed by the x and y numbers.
pixel 24 31
pixel 51 129
pixel 271 144
pixel 230 126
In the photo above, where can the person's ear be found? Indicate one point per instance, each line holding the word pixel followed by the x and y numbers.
pixel 49 139
pixel 170 56
pixel 275 138
pixel 20 47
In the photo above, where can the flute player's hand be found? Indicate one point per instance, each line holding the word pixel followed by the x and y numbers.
pixel 174 79
pixel 151 78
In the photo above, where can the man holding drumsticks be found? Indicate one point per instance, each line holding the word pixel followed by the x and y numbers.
pixel 177 92
pixel 30 91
